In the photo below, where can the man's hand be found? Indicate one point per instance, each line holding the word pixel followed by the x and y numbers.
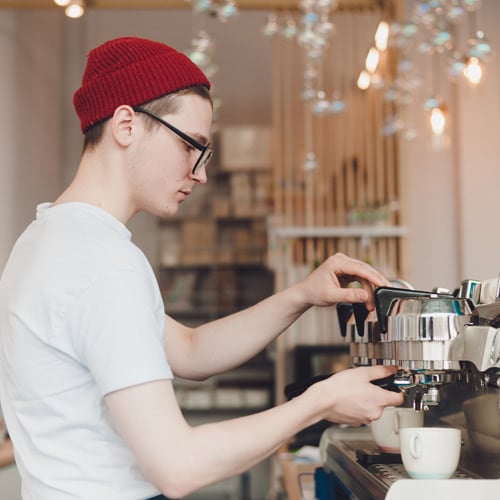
pixel 349 397
pixel 327 284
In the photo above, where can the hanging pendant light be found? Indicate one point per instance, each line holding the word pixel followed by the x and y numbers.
pixel 473 71
pixel 75 9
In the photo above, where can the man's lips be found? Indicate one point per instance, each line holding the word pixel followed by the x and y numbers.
pixel 185 194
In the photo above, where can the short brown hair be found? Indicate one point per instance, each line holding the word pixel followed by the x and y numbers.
pixel 161 106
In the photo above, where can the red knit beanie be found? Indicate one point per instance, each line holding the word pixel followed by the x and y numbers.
pixel 131 71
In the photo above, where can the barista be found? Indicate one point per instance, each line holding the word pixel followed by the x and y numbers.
pixel 87 354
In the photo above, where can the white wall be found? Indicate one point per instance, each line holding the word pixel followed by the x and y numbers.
pixel 479 161
pixel 451 196
pixel 30 129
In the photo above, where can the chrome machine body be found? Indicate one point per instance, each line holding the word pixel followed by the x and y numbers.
pixel 435 338
pixel 447 345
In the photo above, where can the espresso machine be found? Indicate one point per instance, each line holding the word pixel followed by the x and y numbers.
pixel 447 347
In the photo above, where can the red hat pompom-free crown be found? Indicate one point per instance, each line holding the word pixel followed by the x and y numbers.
pixel 133 71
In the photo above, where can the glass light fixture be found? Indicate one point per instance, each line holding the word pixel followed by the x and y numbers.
pixel 372 60
pixel 382 36
pixel 473 71
pixel 364 80
pixel 61 3
pixel 75 9
pixel 438 120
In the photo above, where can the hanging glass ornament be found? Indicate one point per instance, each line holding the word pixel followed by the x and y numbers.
pixel 315 52
pixel 290 30
pixel 271 27
pixel 472 5
pixel 202 41
pixel 391 94
pixel 479 46
pixel 437 5
pixel 392 125
pixel 456 66
pixel 409 30
pixel 421 9
pixel 310 162
pixel 227 11
pixel 325 29
pixel 321 105
pixel 455 13
pixel 202 5
pixel 424 14
pixel 425 47
pixel 432 102
pixel 404 98
pixel 306 37
pixel 198 57
pixel 310 72
pixel 337 104
pixel 308 94
pixel 309 18
pixel 442 40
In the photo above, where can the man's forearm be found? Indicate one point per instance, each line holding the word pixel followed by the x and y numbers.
pixel 230 341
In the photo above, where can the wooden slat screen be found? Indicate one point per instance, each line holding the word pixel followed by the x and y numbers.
pixel 357 167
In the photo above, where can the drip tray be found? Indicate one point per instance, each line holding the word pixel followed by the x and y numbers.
pixel 390 473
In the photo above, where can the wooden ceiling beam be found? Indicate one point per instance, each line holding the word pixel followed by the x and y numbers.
pixel 176 4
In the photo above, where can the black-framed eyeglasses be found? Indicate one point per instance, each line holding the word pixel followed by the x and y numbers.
pixel 205 151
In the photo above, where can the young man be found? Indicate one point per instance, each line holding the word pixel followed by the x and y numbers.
pixel 87 354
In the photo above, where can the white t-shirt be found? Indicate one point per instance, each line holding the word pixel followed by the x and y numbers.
pixel 81 315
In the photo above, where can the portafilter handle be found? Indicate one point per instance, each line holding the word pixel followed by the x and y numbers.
pixel 344 312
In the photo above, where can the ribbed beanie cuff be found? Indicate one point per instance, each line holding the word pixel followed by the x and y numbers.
pixel 131 71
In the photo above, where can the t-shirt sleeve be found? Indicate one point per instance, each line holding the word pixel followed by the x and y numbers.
pixel 117 332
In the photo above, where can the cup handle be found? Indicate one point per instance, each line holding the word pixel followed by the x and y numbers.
pixel 396 423
pixel 414 445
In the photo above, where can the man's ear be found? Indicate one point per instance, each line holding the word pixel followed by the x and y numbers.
pixel 122 123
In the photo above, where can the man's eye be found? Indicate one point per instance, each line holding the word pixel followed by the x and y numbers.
pixel 188 147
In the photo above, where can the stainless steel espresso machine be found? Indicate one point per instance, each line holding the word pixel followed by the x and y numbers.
pixel 447 345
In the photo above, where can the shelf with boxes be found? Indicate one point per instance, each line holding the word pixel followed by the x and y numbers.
pixel 213 256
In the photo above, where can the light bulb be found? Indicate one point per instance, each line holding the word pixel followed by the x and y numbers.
pixel 382 36
pixel 363 80
pixel 75 9
pixel 473 71
pixel 372 60
pixel 438 121
pixel 62 3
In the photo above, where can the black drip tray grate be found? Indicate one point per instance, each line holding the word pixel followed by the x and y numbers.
pixel 390 473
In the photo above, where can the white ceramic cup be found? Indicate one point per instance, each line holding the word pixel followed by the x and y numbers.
pixel 430 452
pixel 386 429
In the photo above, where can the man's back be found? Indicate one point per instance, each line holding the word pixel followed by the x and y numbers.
pixel 57 296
